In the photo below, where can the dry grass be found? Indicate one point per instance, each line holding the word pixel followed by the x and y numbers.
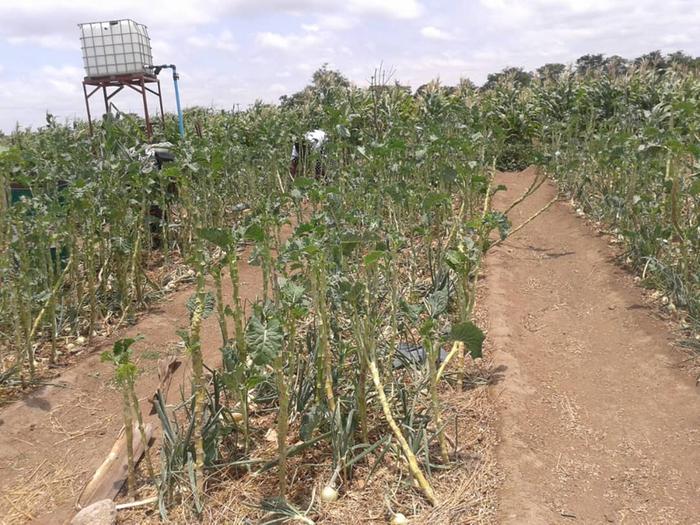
pixel 466 491
pixel 52 480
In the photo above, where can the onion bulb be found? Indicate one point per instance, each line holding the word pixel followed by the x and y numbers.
pixel 80 340
pixel 329 494
pixel 399 519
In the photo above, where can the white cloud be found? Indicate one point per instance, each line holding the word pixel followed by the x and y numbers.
pixel 337 23
pixel 50 41
pixel 62 71
pixel 676 39
pixel 64 79
pixel 311 28
pixel 286 42
pixel 161 48
pixel 434 33
pixel 402 9
pixel 223 41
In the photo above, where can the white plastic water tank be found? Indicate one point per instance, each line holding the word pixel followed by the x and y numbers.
pixel 117 47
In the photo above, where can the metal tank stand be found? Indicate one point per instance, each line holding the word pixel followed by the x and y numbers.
pixel 138 82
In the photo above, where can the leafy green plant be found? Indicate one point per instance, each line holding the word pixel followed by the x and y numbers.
pixel 125 376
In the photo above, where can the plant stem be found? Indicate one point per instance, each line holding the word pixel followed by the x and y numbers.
pixel 282 422
pixel 216 273
pixel 129 433
pixel 198 379
pixel 142 432
pixel 405 448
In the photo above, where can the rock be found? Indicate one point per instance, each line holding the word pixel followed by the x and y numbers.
pixel 103 512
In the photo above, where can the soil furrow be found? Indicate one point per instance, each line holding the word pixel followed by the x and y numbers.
pixel 598 425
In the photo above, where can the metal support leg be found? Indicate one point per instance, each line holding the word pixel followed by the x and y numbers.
pixel 87 106
pixel 104 92
pixel 149 129
pixel 160 101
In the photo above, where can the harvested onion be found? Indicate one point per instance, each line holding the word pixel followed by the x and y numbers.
pixel 399 519
pixel 329 494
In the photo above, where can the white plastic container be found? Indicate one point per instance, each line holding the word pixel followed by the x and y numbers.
pixel 118 47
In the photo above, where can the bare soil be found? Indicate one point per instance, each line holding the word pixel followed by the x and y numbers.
pixel 598 423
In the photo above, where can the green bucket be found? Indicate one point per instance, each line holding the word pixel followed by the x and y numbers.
pixel 17 191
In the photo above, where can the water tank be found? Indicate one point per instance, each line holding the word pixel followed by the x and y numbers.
pixel 117 47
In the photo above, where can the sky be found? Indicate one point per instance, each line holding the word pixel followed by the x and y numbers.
pixel 233 52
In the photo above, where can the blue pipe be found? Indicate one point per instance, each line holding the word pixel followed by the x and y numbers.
pixel 180 121
pixel 176 77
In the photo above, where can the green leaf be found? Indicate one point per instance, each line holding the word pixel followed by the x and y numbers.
pixel 456 260
pixel 471 335
pixel 303 183
pixel 374 256
pixel 310 422
pixel 349 242
pixel 184 335
pixel 412 311
pixel 448 175
pixel 695 188
pixel 434 199
pixel 426 328
pixel 209 303
pixel 436 303
pixel 342 131
pixel 291 292
pixel 218 236
pixel 255 233
pixel 264 338
pixel 122 345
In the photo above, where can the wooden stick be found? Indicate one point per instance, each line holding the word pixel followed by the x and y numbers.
pixel 536 183
pixel 141 503
pixel 108 479
pixel 516 230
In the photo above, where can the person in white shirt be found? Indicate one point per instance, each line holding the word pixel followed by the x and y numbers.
pixel 313 142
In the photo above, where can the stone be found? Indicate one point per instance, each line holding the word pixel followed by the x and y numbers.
pixel 103 512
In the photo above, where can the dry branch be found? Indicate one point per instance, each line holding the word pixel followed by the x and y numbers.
pixel 110 476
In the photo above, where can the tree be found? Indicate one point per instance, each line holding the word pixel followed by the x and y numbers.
pixel 615 65
pixel 589 64
pixel 550 71
pixel 680 59
pixel 517 75
pixel 325 85
pixel 653 59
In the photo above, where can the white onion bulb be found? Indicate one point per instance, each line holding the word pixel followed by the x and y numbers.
pixel 329 494
pixel 399 519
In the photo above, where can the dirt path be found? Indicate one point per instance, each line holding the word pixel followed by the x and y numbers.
pixel 52 441
pixel 597 425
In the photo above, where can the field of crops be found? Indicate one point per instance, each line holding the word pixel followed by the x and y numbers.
pixel 370 265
